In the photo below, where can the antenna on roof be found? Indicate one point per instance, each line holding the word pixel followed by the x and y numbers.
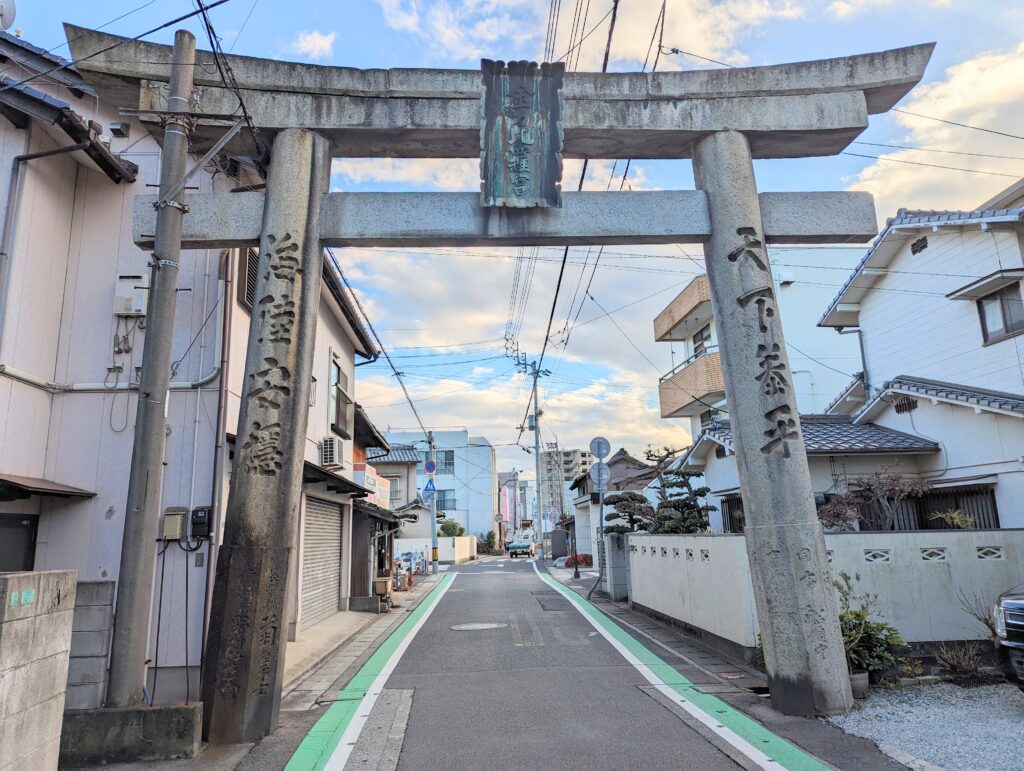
pixel 7 13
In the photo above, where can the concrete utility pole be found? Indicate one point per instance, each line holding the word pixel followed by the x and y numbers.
pixel 538 515
pixel 796 608
pixel 244 666
pixel 142 512
pixel 433 511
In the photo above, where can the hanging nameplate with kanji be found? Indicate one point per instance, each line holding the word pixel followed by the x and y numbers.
pixel 521 134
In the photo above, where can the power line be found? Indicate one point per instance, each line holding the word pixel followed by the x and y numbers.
pixel 70 64
pixel 242 28
pixel 954 123
pixel 591 32
pixel 677 51
pixel 645 357
pixel 937 150
pixel 376 337
pixel 932 165
pixel 227 76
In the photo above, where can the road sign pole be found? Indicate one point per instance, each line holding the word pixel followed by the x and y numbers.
pixel 433 509
pixel 600 474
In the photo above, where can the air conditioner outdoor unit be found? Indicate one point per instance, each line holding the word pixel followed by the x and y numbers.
pixel 331 452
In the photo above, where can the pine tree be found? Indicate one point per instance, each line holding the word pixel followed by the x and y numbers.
pixel 634 508
pixel 679 508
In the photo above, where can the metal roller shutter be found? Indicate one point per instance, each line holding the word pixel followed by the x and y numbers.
pixel 321 561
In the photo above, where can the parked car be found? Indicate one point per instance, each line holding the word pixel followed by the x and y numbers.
pixel 1009 618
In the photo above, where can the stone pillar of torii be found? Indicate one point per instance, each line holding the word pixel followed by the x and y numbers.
pixel 721 119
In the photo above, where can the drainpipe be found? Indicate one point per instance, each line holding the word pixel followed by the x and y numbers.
pixel 10 216
pixel 863 359
pixel 219 450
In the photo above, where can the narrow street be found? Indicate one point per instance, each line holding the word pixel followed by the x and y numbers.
pixel 501 665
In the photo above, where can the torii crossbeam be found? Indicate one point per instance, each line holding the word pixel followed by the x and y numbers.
pixel 721 119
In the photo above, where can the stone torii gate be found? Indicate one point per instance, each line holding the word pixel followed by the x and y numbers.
pixel 721 119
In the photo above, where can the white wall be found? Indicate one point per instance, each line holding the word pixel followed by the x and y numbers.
pixel 712 590
pixel 455 550
pixel 475 477
pixel 910 328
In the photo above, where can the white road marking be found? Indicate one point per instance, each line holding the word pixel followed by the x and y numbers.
pixel 727 734
pixel 341 753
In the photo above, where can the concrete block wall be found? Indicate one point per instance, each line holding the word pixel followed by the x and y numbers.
pixel 704 581
pixel 90 644
pixel 36 611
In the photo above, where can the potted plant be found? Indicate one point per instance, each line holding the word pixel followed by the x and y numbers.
pixel 872 646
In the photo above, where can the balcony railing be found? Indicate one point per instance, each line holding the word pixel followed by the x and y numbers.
pixel 684 364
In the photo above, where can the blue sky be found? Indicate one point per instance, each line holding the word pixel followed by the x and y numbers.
pixel 459 299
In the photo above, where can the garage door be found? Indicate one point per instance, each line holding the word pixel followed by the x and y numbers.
pixel 321 562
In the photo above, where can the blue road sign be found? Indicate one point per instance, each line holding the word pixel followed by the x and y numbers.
pixel 428 488
pixel 429 466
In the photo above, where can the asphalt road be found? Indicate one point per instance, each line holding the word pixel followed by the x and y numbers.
pixel 541 688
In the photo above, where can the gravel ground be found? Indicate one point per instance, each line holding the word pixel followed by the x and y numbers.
pixel 952 727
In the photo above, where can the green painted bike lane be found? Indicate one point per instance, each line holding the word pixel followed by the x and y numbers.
pixel 316 749
pixel 781 752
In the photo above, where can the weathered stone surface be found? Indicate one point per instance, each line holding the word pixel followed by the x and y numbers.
pixel 226 220
pixel 885 76
pixel 84 695
pixel 95 592
pixel 792 584
pixel 130 734
pixel 92 618
pixel 434 113
pixel 26 595
pixel 87 669
pixel 243 672
pixel 35 634
pixel 89 644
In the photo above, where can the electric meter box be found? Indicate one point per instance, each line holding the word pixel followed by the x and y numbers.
pixel 201 522
pixel 173 528
pixel 131 294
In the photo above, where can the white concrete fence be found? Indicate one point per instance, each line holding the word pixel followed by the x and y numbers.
pixel 703 582
pixel 454 550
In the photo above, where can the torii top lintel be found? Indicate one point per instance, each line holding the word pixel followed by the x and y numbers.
pixel 787 111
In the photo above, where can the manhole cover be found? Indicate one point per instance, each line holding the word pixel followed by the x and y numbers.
pixel 479 627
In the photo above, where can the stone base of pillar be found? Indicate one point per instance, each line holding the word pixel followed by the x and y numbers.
pixel 130 734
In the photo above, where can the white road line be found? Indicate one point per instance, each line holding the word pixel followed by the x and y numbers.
pixel 713 725
pixel 348 741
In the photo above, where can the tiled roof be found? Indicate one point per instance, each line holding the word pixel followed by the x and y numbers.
pixel 975 397
pixel 398 454
pixel 911 218
pixel 838 435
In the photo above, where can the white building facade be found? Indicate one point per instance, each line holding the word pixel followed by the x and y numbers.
pixel 936 304
pixel 466 479
pixel 72 331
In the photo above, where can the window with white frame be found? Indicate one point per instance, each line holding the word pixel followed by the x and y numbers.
pixel 396 489
pixel 1002 314
pixel 445 500
pixel 341 407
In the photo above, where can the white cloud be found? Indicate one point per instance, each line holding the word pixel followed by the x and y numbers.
pixel 845 9
pixel 985 91
pixel 400 16
pixel 314 44
pixel 468 29
pixel 432 173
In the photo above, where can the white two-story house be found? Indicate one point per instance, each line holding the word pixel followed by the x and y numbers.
pixel 936 305
pixel 73 295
